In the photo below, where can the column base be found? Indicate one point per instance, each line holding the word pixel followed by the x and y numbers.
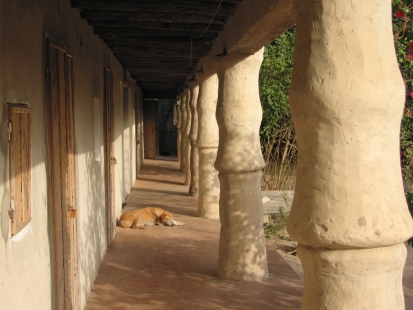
pixel 242 252
pixel 187 162
pixel 353 279
pixel 193 192
pixel 208 202
pixel 194 170
pixel 178 146
pixel 182 159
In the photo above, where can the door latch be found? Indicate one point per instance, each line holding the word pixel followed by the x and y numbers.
pixel 113 160
pixel 72 210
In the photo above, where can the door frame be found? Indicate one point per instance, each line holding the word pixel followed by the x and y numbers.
pixel 63 196
pixel 109 158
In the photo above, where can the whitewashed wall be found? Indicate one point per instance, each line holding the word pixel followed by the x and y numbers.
pixel 26 258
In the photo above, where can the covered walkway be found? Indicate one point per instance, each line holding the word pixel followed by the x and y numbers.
pixel 176 267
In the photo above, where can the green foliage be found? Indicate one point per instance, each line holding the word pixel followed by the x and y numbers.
pixel 275 80
pixel 276 227
pixel 277 131
pixel 409 199
pixel 403 39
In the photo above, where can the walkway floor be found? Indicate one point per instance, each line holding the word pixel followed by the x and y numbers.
pixel 175 267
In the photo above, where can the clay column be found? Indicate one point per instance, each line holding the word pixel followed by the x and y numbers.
pixel 178 128
pixel 187 144
pixel 207 143
pixel 184 120
pixel 349 214
pixel 242 253
pixel 193 134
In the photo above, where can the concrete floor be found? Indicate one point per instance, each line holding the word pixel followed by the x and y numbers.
pixel 176 267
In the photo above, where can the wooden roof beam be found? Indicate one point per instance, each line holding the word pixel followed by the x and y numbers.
pixel 171 17
pixel 252 27
pixel 126 26
pixel 158 5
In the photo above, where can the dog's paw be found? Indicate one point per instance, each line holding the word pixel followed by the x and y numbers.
pixel 178 223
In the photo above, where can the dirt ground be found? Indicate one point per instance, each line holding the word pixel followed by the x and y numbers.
pixel 286 247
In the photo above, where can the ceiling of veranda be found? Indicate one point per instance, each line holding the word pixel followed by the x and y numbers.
pixel 158 41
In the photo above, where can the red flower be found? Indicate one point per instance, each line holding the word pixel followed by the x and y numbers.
pixel 411 46
pixel 410 56
pixel 411 94
pixel 400 14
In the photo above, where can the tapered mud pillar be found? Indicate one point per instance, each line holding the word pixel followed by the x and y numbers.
pixel 207 143
pixel 184 120
pixel 242 253
pixel 349 214
pixel 187 130
pixel 178 128
pixel 193 134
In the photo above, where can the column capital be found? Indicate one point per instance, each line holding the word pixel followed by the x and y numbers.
pixel 207 105
pixel 223 62
pixel 239 113
pixel 185 89
pixel 202 75
pixel 193 83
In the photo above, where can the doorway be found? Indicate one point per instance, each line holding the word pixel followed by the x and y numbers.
pixel 110 159
pixel 61 136
pixel 150 112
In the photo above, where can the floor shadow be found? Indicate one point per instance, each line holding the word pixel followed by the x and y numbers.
pixel 180 264
pixel 162 181
pixel 167 158
pixel 175 268
pixel 159 191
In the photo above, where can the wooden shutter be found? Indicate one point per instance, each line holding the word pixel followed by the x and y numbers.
pixel 20 166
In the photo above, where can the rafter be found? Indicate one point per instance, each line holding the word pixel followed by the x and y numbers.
pixel 158 41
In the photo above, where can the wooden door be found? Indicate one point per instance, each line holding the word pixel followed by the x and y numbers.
pixel 150 111
pixel 138 135
pixel 110 159
pixel 60 116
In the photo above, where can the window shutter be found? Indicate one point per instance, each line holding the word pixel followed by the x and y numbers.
pixel 19 166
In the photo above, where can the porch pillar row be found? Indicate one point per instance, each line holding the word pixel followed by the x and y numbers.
pixel 242 252
pixel 193 134
pixel 184 120
pixel 178 127
pixel 207 143
pixel 187 148
pixel 349 214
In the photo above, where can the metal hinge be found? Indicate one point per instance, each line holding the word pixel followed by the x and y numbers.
pixel 47 75
pixel 9 130
pixel 11 211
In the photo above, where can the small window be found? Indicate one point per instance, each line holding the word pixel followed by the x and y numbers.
pixel 19 131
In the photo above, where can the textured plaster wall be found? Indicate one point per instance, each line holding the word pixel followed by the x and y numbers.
pixel 26 258
pixel 128 141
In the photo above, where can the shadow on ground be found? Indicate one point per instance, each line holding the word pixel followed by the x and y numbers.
pixel 175 267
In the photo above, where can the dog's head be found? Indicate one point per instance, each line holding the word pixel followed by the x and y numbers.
pixel 167 219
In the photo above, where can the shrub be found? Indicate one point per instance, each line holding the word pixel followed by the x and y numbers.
pixel 277 131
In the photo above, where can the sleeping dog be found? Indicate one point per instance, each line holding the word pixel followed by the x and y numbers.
pixel 147 216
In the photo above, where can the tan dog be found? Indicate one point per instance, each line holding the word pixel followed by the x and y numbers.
pixel 147 216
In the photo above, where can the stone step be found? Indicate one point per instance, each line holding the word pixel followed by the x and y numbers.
pixel 274 200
